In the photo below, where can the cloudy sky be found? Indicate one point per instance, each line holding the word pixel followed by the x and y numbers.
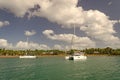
pixel 49 24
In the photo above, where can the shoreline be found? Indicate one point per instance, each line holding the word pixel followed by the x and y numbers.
pixel 9 56
pixel 58 55
pixel 37 56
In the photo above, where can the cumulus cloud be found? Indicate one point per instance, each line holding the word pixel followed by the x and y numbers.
pixel 31 45
pixel 30 33
pixel 58 47
pixel 44 8
pixel 22 45
pixel 110 3
pixel 100 27
pixel 78 41
pixel 18 7
pixel 119 21
pixel 4 23
pixel 94 23
pixel 4 44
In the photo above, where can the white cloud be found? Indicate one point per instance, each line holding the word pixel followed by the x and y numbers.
pixel 94 23
pixel 4 44
pixel 78 41
pixel 57 46
pixel 21 45
pixel 118 21
pixel 43 8
pixel 24 45
pixel 18 7
pixel 99 26
pixel 110 3
pixel 4 23
pixel 57 11
pixel 30 33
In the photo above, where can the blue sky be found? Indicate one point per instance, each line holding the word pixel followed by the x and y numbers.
pixel 49 24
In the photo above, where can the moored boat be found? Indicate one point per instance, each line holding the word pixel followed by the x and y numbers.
pixel 27 56
pixel 75 56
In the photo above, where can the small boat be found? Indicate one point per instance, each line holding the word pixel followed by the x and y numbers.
pixel 27 56
pixel 70 57
pixel 76 56
pixel 79 56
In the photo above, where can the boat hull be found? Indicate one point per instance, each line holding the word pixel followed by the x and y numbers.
pixel 74 57
pixel 27 56
pixel 79 57
pixel 69 57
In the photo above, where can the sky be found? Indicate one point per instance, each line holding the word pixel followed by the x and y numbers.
pixel 50 24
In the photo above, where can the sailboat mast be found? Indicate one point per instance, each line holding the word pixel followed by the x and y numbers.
pixel 72 41
pixel 27 46
pixel 73 36
pixel 74 29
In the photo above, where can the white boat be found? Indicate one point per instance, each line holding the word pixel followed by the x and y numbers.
pixel 27 56
pixel 75 56
pixel 69 57
pixel 79 56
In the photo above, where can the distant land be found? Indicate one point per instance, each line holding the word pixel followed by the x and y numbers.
pixel 91 51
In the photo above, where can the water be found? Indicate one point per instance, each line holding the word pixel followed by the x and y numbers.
pixel 57 68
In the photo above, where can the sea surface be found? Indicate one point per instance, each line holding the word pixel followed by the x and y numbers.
pixel 57 68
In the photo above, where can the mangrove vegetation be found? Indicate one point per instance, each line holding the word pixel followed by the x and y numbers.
pixel 87 51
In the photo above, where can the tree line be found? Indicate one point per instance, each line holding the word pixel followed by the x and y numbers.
pixel 101 51
pixel 6 52
pixel 107 50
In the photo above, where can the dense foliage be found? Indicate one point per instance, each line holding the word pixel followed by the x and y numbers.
pixel 5 52
pixel 108 51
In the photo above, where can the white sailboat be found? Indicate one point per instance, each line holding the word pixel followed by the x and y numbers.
pixel 28 56
pixel 79 56
pixel 76 55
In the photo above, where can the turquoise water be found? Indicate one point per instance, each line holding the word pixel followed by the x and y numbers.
pixel 57 68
